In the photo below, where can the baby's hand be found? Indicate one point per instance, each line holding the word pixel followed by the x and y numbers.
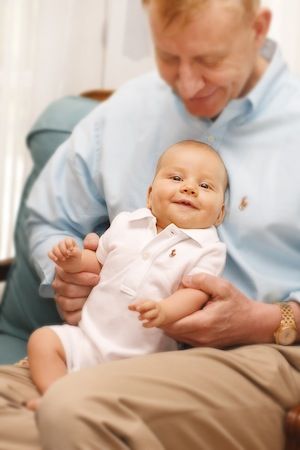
pixel 63 250
pixel 150 312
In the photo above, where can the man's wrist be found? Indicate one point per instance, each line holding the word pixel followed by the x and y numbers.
pixel 265 321
pixel 269 317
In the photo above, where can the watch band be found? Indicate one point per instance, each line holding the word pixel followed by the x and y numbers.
pixel 286 333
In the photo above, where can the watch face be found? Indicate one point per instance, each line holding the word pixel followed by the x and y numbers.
pixel 287 336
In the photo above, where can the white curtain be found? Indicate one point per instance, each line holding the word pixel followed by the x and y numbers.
pixel 52 48
pixel 285 29
pixel 48 48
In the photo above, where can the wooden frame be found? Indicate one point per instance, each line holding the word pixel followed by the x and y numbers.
pixel 5 265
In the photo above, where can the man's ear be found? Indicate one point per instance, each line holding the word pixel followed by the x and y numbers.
pixel 149 203
pixel 221 216
pixel 261 25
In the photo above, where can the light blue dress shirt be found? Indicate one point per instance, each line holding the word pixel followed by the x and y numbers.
pixel 109 161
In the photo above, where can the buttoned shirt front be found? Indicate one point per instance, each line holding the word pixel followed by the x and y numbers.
pixel 109 162
pixel 139 263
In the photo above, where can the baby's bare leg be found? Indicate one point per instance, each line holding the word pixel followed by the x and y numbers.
pixel 67 255
pixel 47 360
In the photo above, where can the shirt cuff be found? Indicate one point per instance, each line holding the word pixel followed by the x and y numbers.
pixel 293 296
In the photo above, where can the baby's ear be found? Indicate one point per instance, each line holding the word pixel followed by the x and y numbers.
pixel 149 202
pixel 221 216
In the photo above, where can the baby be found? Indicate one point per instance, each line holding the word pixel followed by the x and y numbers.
pixel 142 257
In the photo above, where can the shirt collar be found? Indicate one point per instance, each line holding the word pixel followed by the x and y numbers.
pixel 275 69
pixel 202 236
pixel 241 107
pixel 142 213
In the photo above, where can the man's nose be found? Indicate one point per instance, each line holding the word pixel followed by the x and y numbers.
pixel 189 82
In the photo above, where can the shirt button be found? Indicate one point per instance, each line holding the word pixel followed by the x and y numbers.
pixel 210 138
pixel 145 255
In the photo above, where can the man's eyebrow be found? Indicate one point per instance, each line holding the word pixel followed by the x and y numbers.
pixel 211 55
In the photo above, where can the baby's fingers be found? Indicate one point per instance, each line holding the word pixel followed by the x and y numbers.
pixel 140 305
pixel 146 306
pixel 149 315
pixel 151 323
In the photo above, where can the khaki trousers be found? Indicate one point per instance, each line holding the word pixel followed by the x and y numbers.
pixel 189 400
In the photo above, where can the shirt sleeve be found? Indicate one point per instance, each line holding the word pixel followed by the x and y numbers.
pixel 212 260
pixel 67 197
pixel 110 238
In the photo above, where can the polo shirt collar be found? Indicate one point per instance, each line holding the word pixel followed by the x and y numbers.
pixel 202 236
pixel 139 214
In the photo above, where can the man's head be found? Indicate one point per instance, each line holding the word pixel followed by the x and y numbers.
pixel 208 51
pixel 189 187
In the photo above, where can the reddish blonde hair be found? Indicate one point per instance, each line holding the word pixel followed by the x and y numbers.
pixel 170 10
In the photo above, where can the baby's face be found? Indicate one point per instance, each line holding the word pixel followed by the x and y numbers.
pixel 188 189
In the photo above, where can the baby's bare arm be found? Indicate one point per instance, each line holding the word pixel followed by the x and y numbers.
pixel 178 305
pixel 72 259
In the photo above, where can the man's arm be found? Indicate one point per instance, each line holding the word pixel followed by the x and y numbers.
pixel 67 200
pixel 228 318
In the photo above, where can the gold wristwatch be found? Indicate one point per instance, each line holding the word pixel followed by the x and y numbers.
pixel 286 333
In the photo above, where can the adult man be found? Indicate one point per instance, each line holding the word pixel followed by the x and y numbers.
pixel 220 87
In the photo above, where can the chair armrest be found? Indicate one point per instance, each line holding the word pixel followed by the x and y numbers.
pixel 98 94
pixel 5 265
pixel 292 426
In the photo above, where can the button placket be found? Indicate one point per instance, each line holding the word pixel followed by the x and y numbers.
pixel 139 268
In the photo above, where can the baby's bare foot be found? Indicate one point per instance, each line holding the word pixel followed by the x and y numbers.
pixel 67 255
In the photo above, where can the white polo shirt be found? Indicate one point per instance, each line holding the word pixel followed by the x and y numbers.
pixel 139 263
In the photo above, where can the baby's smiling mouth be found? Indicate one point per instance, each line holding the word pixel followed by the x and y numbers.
pixel 186 203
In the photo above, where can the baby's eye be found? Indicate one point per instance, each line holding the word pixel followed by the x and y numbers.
pixel 204 185
pixel 176 178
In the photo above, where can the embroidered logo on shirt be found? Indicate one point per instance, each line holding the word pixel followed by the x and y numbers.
pixel 243 203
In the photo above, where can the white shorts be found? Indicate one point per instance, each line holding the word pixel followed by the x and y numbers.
pixel 80 351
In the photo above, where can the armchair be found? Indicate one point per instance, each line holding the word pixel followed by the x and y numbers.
pixel 22 309
pixel 50 130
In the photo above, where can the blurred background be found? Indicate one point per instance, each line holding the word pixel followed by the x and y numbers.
pixel 53 48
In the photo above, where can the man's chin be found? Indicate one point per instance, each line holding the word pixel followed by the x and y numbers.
pixel 202 111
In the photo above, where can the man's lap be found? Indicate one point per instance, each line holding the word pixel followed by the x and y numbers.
pixel 196 399
pixel 17 424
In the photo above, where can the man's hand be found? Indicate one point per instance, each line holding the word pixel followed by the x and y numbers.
pixel 228 318
pixel 150 312
pixel 72 289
